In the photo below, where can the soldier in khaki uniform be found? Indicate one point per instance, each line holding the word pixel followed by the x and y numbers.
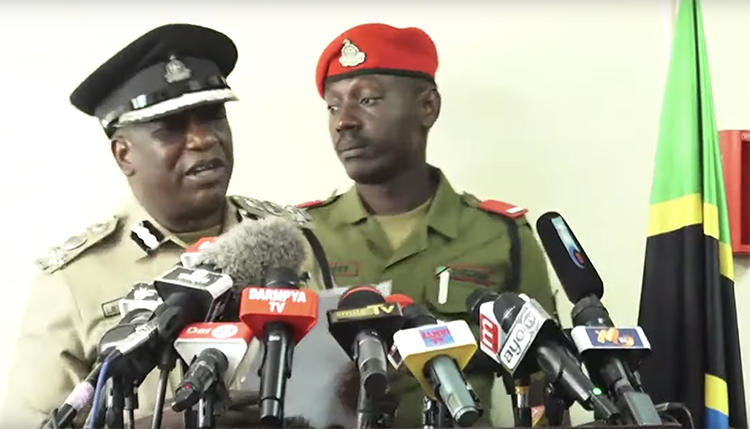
pixel 402 221
pixel 160 101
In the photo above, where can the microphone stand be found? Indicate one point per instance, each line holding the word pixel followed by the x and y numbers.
pixel 131 404
pixel 554 406
pixel 368 412
pixel 166 364
pixel 436 415
pixel 522 410
pixel 115 404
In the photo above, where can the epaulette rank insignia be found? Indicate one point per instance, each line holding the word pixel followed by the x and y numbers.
pixel 250 207
pixel 58 256
pixel 502 208
pixel 309 204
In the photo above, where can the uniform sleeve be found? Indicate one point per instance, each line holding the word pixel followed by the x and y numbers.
pixel 534 279
pixel 47 359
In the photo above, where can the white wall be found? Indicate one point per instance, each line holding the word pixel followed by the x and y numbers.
pixel 551 105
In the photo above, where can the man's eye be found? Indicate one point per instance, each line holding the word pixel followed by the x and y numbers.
pixel 332 108
pixel 366 101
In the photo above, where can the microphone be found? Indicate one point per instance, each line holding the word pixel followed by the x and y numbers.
pixel 534 342
pixel 435 353
pixel 480 306
pixel 282 314
pixel 136 306
pixel 363 324
pixel 214 351
pixel 611 354
pixel 209 290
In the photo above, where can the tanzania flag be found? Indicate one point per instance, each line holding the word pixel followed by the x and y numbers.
pixel 687 300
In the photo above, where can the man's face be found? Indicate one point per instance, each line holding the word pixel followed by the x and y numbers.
pixel 180 164
pixel 375 125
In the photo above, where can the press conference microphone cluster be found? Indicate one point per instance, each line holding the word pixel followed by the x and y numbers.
pixel 612 355
pixel 521 336
pixel 207 289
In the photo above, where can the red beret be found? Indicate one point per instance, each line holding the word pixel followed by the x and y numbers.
pixel 378 48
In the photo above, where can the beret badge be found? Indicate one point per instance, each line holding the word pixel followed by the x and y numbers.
pixel 351 55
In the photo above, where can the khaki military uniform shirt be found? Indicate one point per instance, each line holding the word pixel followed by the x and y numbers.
pixel 473 244
pixel 70 306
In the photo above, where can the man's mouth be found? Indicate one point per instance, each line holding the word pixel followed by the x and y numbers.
pixel 205 166
pixel 353 152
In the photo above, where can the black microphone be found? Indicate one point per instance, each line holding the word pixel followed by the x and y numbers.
pixel 534 342
pixel 83 392
pixel 363 324
pixel 206 371
pixel 610 354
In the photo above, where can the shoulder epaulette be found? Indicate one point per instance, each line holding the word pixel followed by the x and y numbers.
pixel 502 208
pixel 253 208
pixel 59 256
pixel 320 203
pixel 309 204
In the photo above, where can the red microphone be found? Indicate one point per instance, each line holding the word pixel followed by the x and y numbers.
pixel 281 314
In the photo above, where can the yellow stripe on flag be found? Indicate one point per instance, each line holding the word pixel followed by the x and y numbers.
pixel 674 214
pixel 690 210
pixel 716 394
pixel 726 263
pixel 711 220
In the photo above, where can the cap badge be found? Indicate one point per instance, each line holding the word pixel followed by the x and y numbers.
pixel 351 55
pixel 176 70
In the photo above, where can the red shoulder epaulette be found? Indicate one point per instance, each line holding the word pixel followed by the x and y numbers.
pixel 309 204
pixel 502 208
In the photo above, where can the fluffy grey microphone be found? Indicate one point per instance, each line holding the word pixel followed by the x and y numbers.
pixel 246 251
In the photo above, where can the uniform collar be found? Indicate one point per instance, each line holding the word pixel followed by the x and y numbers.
pixel 442 216
pixel 157 236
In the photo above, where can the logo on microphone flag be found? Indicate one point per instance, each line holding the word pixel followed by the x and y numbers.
pixel 438 336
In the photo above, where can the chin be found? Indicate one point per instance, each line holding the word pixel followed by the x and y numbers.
pixel 210 198
pixel 367 173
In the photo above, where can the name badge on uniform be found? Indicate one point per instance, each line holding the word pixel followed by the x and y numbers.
pixel 344 268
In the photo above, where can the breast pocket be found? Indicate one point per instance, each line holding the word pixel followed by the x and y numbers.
pixel 448 289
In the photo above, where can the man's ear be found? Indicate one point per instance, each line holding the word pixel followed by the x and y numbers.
pixel 429 102
pixel 121 150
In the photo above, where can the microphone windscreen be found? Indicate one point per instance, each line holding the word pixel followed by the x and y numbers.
pixel 249 249
pixel 572 266
pixel 360 296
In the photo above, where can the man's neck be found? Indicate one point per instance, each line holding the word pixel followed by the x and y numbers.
pixel 400 194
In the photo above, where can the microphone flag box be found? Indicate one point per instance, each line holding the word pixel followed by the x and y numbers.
pixel 526 326
pixel 179 278
pixel 229 338
pixel 297 307
pixel 344 324
pixel 417 346
pixel 630 341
